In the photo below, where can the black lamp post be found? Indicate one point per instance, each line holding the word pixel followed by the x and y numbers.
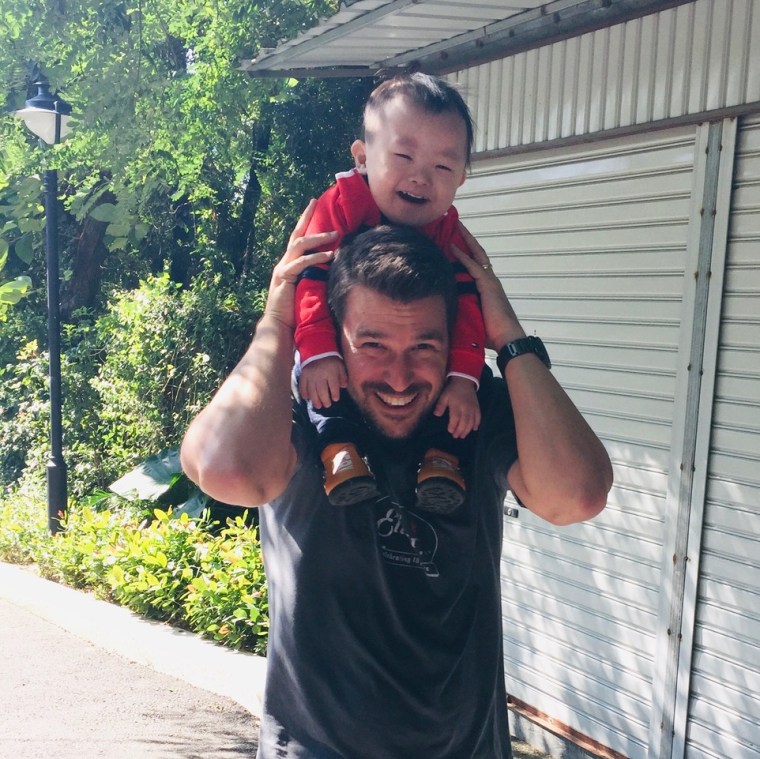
pixel 47 116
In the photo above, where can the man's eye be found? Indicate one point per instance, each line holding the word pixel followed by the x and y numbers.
pixel 370 345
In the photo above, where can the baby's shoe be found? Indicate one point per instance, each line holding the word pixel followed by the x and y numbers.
pixel 440 484
pixel 348 479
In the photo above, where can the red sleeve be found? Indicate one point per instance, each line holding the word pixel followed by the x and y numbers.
pixel 344 207
pixel 468 340
pixel 467 351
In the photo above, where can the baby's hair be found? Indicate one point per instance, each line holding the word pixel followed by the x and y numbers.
pixel 426 92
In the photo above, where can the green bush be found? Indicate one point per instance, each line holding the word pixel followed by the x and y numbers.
pixel 23 523
pixel 165 350
pixel 175 570
pixel 149 569
pixel 132 378
pixel 227 599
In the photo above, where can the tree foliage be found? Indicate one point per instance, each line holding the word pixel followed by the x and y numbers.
pixel 173 147
pixel 180 172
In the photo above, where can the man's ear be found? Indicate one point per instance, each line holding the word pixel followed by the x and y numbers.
pixel 359 152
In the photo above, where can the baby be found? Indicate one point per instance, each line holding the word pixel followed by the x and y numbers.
pixel 416 145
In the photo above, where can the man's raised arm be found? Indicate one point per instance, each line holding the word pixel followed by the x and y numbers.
pixel 238 449
pixel 562 473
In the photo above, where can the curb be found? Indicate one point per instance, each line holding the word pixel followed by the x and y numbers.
pixel 166 649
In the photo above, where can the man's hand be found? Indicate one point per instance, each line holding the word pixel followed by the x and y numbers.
pixel 460 397
pixel 501 323
pixel 281 298
pixel 322 380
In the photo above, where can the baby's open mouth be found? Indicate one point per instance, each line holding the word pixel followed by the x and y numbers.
pixel 410 198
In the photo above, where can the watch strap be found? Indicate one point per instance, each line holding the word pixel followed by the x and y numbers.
pixel 530 344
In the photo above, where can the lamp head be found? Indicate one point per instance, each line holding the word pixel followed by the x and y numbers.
pixel 46 115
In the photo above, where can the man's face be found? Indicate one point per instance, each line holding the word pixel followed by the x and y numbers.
pixel 395 355
pixel 414 160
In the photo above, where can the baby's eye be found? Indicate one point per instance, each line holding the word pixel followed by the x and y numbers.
pixel 404 156
pixel 443 168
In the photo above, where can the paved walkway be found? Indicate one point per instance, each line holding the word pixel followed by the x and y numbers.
pixel 84 679
pixel 65 698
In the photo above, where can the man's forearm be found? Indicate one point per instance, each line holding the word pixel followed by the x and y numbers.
pixel 238 448
pixel 563 473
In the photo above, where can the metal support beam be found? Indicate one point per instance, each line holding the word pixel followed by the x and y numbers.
pixel 691 429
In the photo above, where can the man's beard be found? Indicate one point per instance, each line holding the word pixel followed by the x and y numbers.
pixel 378 424
pixel 392 440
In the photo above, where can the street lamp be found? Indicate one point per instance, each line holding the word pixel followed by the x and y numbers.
pixel 47 116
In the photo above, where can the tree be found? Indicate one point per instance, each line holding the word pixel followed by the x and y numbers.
pixel 178 161
pixel 173 143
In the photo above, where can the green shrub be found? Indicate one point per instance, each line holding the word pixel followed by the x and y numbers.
pixel 131 379
pixel 24 407
pixel 23 523
pixel 227 599
pixel 165 351
pixel 172 569
pixel 148 569
pixel 74 557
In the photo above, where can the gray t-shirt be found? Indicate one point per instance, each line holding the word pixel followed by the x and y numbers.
pixel 385 624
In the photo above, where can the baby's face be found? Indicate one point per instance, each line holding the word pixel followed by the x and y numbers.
pixel 414 160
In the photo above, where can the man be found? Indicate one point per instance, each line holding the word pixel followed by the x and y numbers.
pixel 385 637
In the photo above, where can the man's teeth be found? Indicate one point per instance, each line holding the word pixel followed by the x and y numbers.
pixel 397 400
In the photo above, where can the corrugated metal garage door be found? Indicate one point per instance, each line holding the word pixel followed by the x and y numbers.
pixel 591 245
pixel 724 715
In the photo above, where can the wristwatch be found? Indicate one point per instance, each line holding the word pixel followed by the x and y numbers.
pixel 530 344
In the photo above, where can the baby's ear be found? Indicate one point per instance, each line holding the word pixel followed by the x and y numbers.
pixel 359 152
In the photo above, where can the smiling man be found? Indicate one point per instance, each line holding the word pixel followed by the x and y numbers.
pixel 395 313
pixel 385 632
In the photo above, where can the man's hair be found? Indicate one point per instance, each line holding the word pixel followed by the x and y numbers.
pixel 428 93
pixel 397 262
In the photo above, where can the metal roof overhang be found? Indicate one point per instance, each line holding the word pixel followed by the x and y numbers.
pixel 437 36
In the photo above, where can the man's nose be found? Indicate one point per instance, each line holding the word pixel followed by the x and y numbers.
pixel 399 372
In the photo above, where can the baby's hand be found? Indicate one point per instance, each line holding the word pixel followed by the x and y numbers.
pixel 460 397
pixel 321 381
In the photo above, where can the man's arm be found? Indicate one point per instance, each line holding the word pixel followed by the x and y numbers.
pixel 562 472
pixel 238 449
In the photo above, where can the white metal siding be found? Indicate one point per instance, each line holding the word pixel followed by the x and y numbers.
pixel 591 246
pixel 697 57
pixel 724 716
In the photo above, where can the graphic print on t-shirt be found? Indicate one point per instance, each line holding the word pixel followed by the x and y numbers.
pixel 406 539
